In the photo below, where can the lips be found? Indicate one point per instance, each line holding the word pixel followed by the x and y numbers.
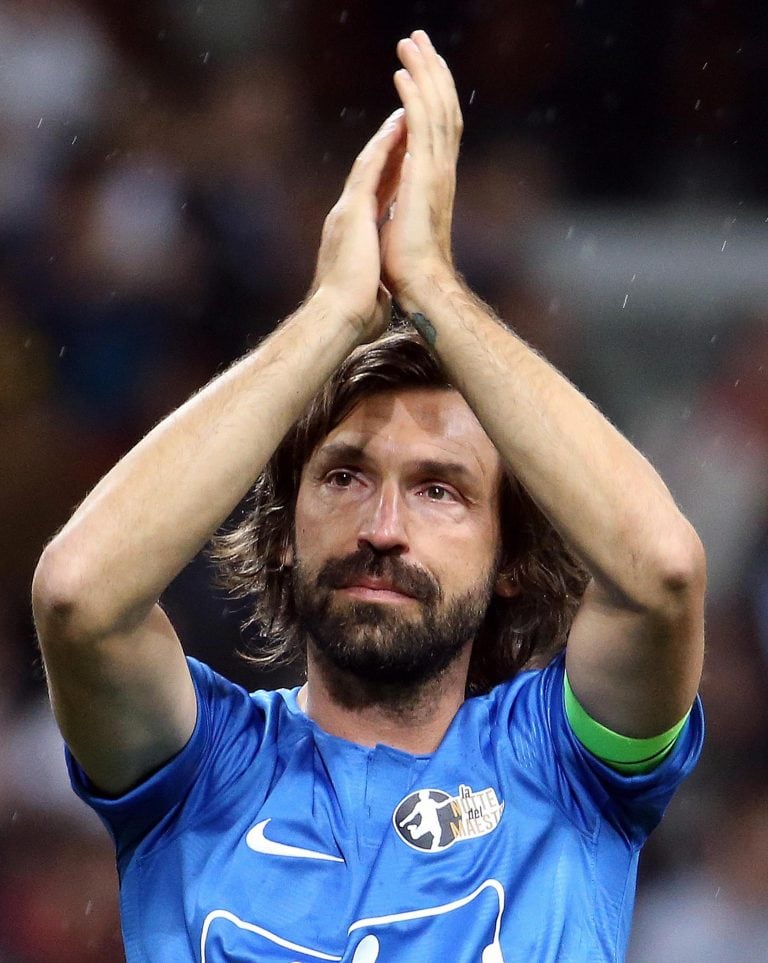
pixel 369 575
pixel 377 585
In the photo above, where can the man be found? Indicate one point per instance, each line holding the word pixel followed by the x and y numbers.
pixel 420 491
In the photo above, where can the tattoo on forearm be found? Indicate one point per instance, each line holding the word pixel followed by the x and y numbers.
pixel 424 326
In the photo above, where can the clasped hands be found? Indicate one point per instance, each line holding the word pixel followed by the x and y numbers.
pixel 389 234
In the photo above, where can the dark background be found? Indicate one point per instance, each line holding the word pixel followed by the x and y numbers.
pixel 165 168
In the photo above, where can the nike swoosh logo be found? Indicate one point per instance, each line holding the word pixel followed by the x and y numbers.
pixel 258 842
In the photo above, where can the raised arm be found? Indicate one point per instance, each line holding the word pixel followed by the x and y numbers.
pixel 635 650
pixel 119 684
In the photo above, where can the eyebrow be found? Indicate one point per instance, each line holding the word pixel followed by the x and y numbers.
pixel 340 451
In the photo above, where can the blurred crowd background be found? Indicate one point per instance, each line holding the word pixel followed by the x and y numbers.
pixel 165 167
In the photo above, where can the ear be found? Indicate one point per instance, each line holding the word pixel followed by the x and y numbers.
pixel 505 586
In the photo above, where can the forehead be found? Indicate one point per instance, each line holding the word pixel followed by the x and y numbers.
pixel 418 422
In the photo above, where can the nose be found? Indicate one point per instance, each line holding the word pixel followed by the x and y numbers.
pixel 383 526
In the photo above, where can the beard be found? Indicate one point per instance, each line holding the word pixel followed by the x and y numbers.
pixel 385 652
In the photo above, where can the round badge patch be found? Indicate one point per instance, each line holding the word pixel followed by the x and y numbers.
pixel 431 820
pixel 423 820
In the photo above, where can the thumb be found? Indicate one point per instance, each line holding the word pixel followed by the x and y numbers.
pixel 382 314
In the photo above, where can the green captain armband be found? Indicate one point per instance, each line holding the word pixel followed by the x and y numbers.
pixel 623 753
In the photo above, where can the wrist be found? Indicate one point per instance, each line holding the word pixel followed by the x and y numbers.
pixel 424 290
pixel 334 307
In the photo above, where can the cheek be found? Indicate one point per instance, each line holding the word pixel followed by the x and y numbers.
pixel 306 533
pixel 463 561
pixel 318 533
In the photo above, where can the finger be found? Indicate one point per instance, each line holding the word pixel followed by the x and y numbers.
pixel 382 312
pixel 390 175
pixel 370 162
pixel 416 115
pixel 433 63
pixel 384 303
pixel 418 66
pixel 442 79
pixel 432 108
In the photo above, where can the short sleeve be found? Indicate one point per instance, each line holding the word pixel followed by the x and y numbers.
pixel 226 735
pixel 585 788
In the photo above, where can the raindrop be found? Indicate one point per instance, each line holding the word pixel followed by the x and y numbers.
pixel 697 105
pixel 74 140
pixel 28 342
pixel 88 907
pixel 724 243
pixel 343 16
pixel 63 349
pixel 40 123
pixel 626 298
pixel 472 97
pixel 206 56
pixel 737 382
pixel 706 64
pixel 713 339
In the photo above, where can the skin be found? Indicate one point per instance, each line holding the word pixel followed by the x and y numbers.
pixel 441 519
pixel 119 684
pixel 117 678
pixel 635 650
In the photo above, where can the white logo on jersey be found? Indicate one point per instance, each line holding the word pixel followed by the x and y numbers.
pixel 258 842
pixel 369 949
pixel 430 820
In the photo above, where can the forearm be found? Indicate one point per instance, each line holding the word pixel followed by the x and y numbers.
pixel 160 504
pixel 600 493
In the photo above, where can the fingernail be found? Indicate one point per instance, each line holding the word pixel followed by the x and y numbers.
pixel 391 122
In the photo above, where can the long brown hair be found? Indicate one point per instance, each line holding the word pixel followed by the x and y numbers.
pixel 524 630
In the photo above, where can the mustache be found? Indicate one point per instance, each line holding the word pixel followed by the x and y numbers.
pixel 340 572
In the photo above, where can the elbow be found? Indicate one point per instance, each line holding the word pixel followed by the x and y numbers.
pixel 664 578
pixel 54 598
pixel 59 597
pixel 682 568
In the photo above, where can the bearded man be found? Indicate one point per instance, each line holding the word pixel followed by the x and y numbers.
pixel 498 602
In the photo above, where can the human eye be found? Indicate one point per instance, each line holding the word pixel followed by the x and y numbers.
pixel 438 493
pixel 340 478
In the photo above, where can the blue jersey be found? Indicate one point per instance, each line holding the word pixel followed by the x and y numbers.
pixel 267 839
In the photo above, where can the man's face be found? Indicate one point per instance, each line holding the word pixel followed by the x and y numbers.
pixel 397 536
